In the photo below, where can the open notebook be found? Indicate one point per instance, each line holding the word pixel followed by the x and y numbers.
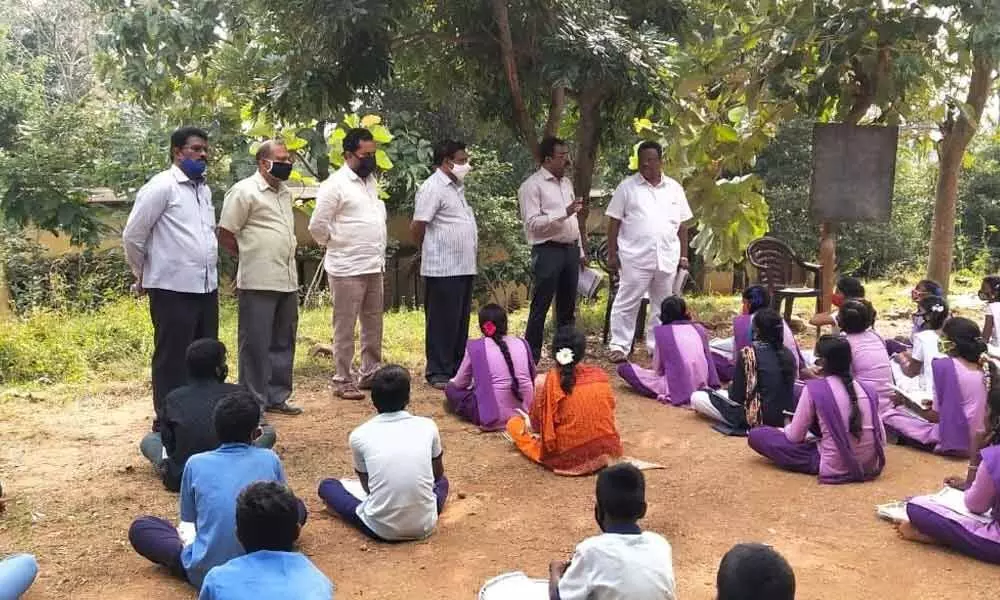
pixel 949 497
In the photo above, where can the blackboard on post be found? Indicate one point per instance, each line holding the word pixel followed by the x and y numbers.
pixel 854 169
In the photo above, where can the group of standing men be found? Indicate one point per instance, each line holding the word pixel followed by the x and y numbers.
pixel 171 243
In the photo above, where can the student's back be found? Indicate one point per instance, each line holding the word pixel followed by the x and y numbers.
pixel 267 574
pixel 614 566
pixel 395 449
pixel 209 488
pixel 187 425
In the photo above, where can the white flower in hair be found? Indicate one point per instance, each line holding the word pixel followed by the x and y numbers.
pixel 937 308
pixel 564 356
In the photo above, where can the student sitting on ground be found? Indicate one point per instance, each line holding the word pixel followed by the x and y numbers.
pixel 398 457
pixel 571 429
pixel 682 360
pixel 754 572
pixel 955 418
pixel 624 562
pixel 989 292
pixel 931 522
pixel 848 288
pixel 870 363
pixel 762 390
pixel 912 369
pixel 186 425
pixel 924 288
pixel 755 298
pixel 17 571
pixel 850 447
pixel 209 487
pixel 496 377
pixel 267 526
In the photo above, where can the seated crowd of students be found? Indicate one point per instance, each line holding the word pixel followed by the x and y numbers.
pixel 239 521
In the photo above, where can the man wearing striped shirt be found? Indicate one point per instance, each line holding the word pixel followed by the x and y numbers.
pixel 444 226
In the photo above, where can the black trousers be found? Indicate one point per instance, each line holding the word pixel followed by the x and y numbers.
pixel 447 305
pixel 179 318
pixel 556 269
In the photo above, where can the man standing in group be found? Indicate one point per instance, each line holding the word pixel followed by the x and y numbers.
pixel 349 220
pixel 445 227
pixel 257 226
pixel 647 243
pixel 549 210
pixel 170 245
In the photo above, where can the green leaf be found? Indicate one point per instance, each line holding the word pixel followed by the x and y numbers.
pixel 382 160
pixel 725 133
pixel 381 134
pixel 370 121
pixel 736 115
pixel 352 121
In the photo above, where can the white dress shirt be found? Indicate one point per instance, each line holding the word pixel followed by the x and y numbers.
pixel 451 240
pixel 169 237
pixel 650 217
pixel 349 220
pixel 614 566
pixel 544 199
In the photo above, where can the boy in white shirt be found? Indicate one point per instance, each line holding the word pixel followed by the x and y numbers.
pixel 624 562
pixel 398 458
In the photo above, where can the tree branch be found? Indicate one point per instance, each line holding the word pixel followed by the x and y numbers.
pixel 525 123
pixel 557 104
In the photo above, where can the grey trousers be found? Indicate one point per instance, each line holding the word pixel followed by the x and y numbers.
pixel 151 446
pixel 268 322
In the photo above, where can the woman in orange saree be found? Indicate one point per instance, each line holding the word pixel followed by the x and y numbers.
pixel 571 429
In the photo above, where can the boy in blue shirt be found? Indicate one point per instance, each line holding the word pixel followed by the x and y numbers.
pixel 209 487
pixel 267 525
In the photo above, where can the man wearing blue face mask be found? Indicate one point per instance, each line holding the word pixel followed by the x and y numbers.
pixel 349 220
pixel 257 226
pixel 170 245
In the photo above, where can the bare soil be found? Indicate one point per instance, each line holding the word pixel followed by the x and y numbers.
pixel 76 480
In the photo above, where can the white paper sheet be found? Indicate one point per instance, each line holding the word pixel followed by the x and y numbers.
pixel 588 283
pixel 353 487
pixel 514 586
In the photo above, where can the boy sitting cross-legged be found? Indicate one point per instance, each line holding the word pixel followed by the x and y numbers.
pixel 267 525
pixel 209 487
pixel 624 562
pixel 397 456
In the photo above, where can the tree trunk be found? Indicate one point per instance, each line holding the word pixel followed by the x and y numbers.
pixel 557 105
pixel 588 133
pixel 525 124
pixel 952 149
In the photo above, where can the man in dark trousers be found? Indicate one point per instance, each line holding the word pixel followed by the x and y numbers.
pixel 548 209
pixel 444 225
pixel 170 245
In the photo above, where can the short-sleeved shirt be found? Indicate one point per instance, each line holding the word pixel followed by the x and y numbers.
pixel 395 450
pixel 209 487
pixel 925 349
pixel 267 574
pixel 263 220
pixel 451 240
pixel 650 217
pixel 614 566
pixel 544 199
pixel 349 220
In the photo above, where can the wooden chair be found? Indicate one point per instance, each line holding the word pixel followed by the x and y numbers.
pixel 776 263
pixel 601 255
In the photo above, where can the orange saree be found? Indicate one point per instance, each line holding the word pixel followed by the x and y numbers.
pixel 574 434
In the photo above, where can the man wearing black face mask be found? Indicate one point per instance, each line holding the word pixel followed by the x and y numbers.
pixel 257 226
pixel 349 220
pixel 188 415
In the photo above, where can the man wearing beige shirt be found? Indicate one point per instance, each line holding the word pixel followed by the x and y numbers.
pixel 350 221
pixel 548 210
pixel 257 226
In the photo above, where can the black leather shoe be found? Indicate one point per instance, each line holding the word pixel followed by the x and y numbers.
pixel 284 408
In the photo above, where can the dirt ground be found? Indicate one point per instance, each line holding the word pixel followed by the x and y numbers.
pixel 76 480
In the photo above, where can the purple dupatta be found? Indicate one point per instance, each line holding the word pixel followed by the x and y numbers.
pixel 991 458
pixel 826 407
pixel 672 362
pixel 742 334
pixel 953 426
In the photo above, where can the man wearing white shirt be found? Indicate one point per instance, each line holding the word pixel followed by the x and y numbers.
pixel 170 244
pixel 349 220
pixel 444 227
pixel 549 210
pixel 647 245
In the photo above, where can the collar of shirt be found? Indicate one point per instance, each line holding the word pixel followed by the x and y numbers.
pixel 548 175
pixel 389 417
pixel 624 529
pixel 444 179
pixel 641 180
pixel 263 185
pixel 354 176
pixel 232 447
pixel 181 176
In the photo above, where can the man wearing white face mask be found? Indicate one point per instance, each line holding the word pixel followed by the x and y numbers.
pixel 444 226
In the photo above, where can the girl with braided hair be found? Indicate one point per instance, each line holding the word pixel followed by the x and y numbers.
pixel 870 362
pixel 956 416
pixel 852 440
pixel 496 377
pixel 932 523
pixel 571 427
